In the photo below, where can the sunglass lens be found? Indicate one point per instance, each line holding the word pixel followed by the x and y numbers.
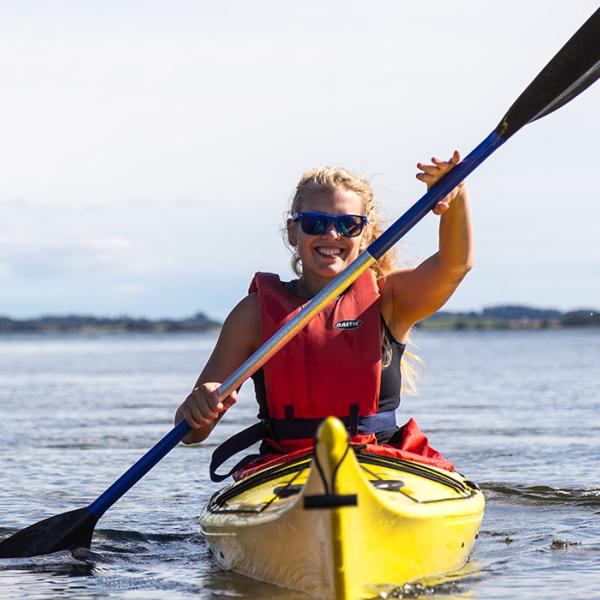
pixel 314 224
pixel 350 225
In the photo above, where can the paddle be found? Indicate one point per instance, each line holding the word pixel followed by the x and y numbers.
pixel 574 68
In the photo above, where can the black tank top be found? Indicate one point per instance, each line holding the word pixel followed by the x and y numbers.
pixel 389 387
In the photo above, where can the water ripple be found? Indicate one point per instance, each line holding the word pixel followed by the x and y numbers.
pixel 543 494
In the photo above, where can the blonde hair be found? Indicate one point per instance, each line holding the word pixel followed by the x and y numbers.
pixel 329 178
pixel 335 177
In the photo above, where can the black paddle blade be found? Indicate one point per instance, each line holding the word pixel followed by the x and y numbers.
pixel 67 531
pixel 574 68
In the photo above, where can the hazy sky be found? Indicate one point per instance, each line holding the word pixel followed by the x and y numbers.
pixel 148 150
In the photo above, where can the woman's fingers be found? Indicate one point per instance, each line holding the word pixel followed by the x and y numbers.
pixel 193 415
pixel 425 178
pixel 452 161
pixel 432 173
pixel 213 402
pixel 443 165
pixel 429 169
pixel 201 409
pixel 230 400
pixel 441 207
pixel 203 406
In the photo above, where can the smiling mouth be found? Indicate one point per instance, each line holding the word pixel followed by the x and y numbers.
pixel 329 252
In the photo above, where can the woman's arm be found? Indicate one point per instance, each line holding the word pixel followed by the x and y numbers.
pixel 238 340
pixel 411 295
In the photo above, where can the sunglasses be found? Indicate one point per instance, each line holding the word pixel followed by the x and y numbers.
pixel 316 223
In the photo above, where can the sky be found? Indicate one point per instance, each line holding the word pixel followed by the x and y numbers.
pixel 149 150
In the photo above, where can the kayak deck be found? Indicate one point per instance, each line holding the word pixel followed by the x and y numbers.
pixel 331 523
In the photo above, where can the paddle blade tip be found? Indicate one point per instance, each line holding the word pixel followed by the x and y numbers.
pixel 67 531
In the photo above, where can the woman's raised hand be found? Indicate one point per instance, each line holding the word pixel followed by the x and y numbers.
pixel 432 173
pixel 202 407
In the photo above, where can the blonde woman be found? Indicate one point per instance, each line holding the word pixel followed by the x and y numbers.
pixel 346 361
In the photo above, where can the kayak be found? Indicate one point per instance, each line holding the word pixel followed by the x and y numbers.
pixel 339 520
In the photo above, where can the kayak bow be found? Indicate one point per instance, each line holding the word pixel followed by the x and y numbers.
pixel 341 519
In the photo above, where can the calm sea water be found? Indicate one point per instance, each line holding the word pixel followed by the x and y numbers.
pixel 516 411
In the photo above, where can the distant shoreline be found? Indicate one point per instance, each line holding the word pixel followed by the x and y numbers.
pixel 86 324
pixel 507 317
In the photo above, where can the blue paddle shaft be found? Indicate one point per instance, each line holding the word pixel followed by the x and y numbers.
pixel 376 250
pixel 139 469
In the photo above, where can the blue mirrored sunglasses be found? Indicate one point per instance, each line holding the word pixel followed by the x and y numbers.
pixel 316 223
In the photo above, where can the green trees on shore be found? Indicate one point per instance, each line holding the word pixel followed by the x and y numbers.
pixel 498 317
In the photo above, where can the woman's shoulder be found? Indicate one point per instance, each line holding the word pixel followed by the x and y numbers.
pixel 244 321
pixel 245 309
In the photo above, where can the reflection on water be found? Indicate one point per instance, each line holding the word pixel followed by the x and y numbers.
pixel 516 411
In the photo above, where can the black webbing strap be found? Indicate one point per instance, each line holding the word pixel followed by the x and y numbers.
pixel 353 419
pixel 236 443
pixel 302 429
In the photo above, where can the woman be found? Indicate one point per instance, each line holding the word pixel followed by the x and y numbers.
pixel 346 362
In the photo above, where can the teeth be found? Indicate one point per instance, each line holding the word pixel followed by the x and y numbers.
pixel 329 251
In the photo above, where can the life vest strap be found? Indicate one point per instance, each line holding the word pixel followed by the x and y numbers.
pixel 290 428
pixel 301 429
pixel 236 443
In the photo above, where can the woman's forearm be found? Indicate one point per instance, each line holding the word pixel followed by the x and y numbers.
pixel 456 236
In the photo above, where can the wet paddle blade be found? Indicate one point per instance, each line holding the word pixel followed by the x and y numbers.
pixel 574 68
pixel 66 531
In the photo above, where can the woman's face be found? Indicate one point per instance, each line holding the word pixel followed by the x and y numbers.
pixel 325 256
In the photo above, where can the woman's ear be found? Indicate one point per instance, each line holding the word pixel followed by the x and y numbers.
pixel 292 233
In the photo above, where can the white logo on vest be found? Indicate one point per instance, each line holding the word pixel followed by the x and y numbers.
pixel 349 324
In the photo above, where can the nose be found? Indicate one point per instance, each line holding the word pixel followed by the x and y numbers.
pixel 331 231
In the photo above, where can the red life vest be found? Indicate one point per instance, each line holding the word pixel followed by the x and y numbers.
pixel 331 367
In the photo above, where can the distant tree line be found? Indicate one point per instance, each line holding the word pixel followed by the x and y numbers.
pixel 87 323
pixel 495 317
pixel 513 317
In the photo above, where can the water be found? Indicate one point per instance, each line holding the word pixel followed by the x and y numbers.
pixel 516 411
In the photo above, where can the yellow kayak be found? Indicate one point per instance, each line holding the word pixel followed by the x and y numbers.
pixel 338 522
